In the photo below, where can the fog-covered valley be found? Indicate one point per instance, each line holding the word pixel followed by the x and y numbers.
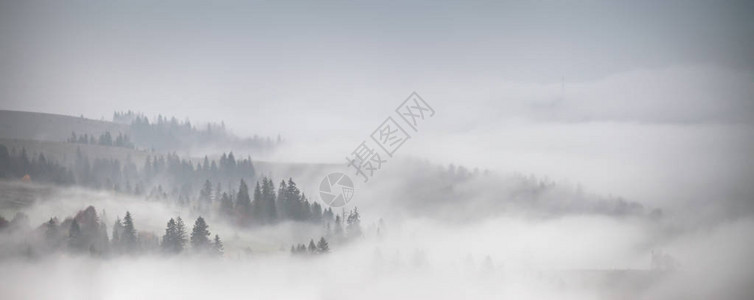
pixel 580 256
pixel 511 236
pixel 376 150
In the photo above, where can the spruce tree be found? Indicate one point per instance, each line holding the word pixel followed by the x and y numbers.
pixel 282 204
pixel 243 203
pixel 117 230
pixel 323 246
pixel 200 235
pixel 316 213
pixel 226 204
pixel 312 246
pixel 75 239
pixel 169 239
pixel 293 195
pixel 218 245
pixel 180 234
pixel 218 192
pixel 205 195
pixel 257 206
pixel 128 237
pixel 270 207
pixel 205 166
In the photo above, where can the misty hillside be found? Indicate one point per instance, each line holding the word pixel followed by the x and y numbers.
pixel 376 150
pixel 52 127
pixel 421 189
pixel 65 152
pixel 103 199
pixel 128 130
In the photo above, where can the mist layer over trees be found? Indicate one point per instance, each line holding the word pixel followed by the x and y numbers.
pixel 558 150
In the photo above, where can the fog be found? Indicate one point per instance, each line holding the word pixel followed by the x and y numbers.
pixel 509 256
pixel 576 150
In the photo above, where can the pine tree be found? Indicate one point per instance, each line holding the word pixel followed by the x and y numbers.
pixel 218 245
pixel 312 246
pixel 283 204
pixel 294 201
pixel 103 243
pixel 117 230
pixel 257 206
pixel 169 239
pixel 243 203
pixel 218 192
pixel 258 191
pixel 323 246
pixel 128 237
pixel 304 209
pixel 264 202
pixel 270 208
pixel 205 195
pixel 226 204
pixel 180 234
pixel 200 235
pixel 75 239
pixel 316 213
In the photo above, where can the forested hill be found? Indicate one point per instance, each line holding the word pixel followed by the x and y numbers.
pixel 52 127
pixel 129 130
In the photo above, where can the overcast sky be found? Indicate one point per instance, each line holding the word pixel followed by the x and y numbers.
pixel 652 100
pixel 232 59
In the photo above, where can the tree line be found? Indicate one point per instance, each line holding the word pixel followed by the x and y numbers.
pixel 87 232
pixel 321 247
pixel 105 139
pixel 265 206
pixel 158 177
pixel 20 165
pixel 169 134
pixel 205 187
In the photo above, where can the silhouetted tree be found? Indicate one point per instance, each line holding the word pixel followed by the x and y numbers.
pixel 226 204
pixel 205 195
pixel 75 238
pixel 180 234
pixel 170 239
pixel 217 246
pixel 200 235
pixel 243 202
pixel 128 237
pixel 312 246
pixel 117 231
pixel 323 246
